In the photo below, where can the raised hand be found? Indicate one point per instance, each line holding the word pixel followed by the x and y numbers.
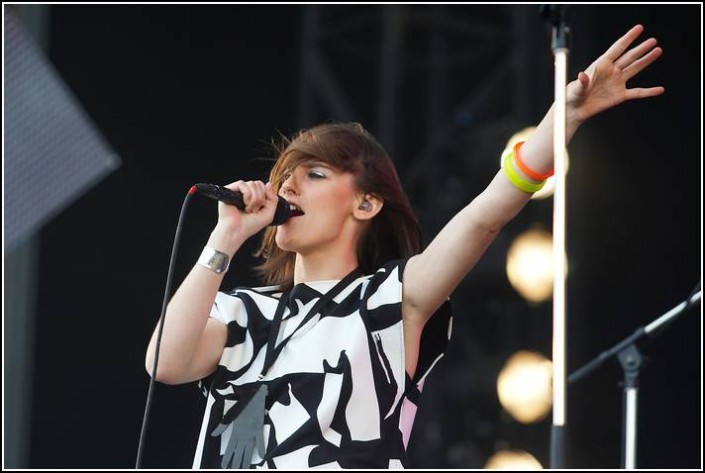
pixel 604 83
pixel 260 205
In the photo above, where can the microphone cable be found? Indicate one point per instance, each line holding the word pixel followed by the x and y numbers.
pixel 167 296
pixel 223 194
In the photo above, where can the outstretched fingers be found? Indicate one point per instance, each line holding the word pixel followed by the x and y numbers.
pixel 621 45
pixel 640 64
pixel 632 62
pixel 642 93
pixel 635 53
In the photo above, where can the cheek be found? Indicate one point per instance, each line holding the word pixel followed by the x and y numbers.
pixel 335 210
pixel 338 201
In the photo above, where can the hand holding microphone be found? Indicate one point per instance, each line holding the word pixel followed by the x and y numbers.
pixel 236 198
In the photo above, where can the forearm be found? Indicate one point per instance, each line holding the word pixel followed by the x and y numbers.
pixel 435 273
pixel 537 152
pixel 431 276
pixel 188 312
pixel 501 201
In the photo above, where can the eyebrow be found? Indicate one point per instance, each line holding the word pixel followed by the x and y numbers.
pixel 314 164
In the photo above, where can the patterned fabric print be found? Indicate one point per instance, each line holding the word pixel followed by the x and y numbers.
pixel 339 396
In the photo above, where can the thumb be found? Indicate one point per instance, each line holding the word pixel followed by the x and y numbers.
pixel 578 89
pixel 583 81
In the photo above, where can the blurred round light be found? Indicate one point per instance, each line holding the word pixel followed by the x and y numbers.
pixel 523 135
pixel 516 460
pixel 524 386
pixel 530 265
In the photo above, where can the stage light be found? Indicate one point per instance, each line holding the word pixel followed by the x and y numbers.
pixel 515 460
pixel 524 386
pixel 530 265
pixel 550 185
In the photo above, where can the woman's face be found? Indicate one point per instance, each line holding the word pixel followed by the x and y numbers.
pixel 326 199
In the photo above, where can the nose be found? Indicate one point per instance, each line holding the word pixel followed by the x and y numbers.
pixel 289 185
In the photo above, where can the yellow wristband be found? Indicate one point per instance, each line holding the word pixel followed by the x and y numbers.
pixel 517 180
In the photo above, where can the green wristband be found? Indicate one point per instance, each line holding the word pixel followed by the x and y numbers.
pixel 516 179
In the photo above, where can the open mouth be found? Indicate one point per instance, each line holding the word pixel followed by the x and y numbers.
pixel 295 210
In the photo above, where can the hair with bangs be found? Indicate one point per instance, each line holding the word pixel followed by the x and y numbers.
pixel 393 233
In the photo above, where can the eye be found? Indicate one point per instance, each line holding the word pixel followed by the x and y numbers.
pixel 316 174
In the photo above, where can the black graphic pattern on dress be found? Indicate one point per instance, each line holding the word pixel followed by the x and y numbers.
pixel 337 390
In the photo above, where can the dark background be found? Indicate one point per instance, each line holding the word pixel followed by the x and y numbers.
pixel 190 94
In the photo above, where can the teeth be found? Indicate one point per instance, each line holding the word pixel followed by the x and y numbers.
pixel 293 207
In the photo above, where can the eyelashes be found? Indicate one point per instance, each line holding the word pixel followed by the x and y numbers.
pixel 316 175
pixel 312 174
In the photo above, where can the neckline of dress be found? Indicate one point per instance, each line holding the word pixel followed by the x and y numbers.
pixel 323 282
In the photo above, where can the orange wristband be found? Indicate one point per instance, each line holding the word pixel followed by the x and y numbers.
pixel 526 169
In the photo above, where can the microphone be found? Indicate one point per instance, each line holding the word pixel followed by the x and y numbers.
pixel 227 196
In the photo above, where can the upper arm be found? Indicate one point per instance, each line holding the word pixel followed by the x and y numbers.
pixel 210 349
pixel 432 275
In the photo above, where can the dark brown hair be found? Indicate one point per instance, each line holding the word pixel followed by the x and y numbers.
pixel 393 233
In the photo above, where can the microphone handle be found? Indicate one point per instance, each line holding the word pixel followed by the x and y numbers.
pixel 227 196
pixel 222 194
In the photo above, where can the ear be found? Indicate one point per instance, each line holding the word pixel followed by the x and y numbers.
pixel 367 207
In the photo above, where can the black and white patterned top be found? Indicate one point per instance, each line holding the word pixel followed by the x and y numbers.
pixel 339 395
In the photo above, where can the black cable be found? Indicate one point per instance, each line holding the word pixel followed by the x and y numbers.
pixel 167 296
